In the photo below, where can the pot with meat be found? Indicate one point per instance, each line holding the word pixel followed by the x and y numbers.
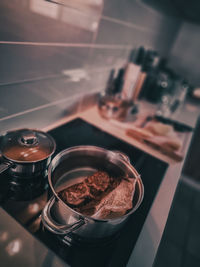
pixel 94 192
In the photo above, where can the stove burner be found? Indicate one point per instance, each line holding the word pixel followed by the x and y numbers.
pixel 72 250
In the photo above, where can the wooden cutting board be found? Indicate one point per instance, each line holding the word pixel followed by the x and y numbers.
pixel 158 143
pixel 138 131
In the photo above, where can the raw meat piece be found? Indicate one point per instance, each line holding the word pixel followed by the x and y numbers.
pixel 90 188
pixel 100 196
pixel 98 182
pixel 75 194
pixel 117 202
pixel 89 208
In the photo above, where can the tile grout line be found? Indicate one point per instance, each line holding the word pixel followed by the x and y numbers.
pixel 44 106
pixel 75 45
pixel 149 8
pixel 31 80
pixel 55 76
pixel 128 24
pixel 110 19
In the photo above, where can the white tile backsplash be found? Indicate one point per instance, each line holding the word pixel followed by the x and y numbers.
pixel 89 36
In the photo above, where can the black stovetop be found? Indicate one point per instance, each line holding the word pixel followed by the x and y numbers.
pixel 117 251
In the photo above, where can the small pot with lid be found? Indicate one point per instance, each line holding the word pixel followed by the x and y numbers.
pixel 26 152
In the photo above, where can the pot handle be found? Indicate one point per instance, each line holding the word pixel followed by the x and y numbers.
pixel 55 227
pixel 5 166
pixel 122 155
pixel 127 159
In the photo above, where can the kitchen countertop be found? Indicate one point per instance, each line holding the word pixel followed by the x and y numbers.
pixel 13 236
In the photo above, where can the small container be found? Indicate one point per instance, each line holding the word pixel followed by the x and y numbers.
pixel 113 107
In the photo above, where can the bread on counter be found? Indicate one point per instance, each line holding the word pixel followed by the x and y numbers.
pixel 158 128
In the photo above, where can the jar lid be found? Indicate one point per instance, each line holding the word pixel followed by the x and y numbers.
pixel 27 145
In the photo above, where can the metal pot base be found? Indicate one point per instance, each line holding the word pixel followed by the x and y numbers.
pixel 74 240
pixel 26 189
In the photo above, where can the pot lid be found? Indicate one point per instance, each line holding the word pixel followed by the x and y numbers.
pixel 27 145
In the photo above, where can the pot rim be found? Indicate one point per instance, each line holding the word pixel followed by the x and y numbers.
pixel 83 147
pixel 33 161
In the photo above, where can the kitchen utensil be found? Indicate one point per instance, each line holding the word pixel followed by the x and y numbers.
pixel 71 166
pixel 26 152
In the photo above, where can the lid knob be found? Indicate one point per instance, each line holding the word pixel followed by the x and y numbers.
pixel 29 139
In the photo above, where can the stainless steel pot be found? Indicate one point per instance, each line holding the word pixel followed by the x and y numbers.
pixel 26 152
pixel 71 166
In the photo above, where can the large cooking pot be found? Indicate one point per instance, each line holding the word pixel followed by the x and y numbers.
pixel 26 152
pixel 71 166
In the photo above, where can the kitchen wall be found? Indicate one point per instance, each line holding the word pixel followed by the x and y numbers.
pixel 185 53
pixel 52 55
